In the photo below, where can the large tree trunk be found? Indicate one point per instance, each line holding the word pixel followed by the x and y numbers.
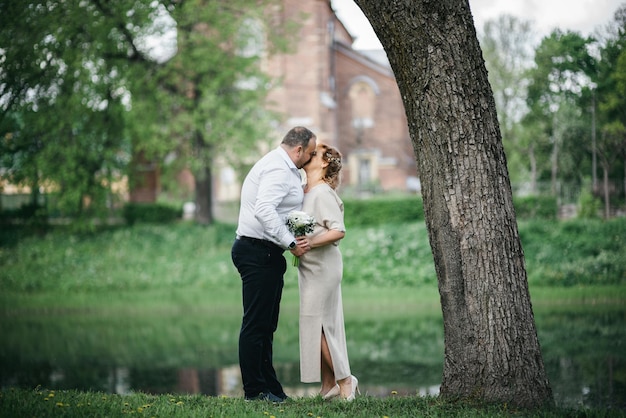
pixel 491 348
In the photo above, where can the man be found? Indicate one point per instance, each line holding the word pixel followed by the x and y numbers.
pixel 271 190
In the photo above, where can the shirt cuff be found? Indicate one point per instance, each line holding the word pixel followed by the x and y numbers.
pixel 286 240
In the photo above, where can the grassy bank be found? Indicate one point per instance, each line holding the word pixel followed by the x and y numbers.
pixel 16 403
pixel 184 255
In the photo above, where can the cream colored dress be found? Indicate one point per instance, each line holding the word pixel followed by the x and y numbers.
pixel 319 279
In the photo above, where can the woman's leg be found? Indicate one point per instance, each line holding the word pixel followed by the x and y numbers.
pixel 328 374
pixel 345 387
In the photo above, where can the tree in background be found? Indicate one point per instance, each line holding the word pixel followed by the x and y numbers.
pixel 63 95
pixel 563 67
pixel 610 147
pixel 82 91
pixel 507 46
pixel 491 348
pixel 611 92
pixel 212 91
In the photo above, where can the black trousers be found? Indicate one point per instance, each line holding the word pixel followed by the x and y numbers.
pixel 262 266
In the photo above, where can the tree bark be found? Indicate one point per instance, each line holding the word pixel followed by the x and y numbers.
pixel 607 193
pixel 554 157
pixel 203 178
pixel 204 200
pixel 533 169
pixel 492 351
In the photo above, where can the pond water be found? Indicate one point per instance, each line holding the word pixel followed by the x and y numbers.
pixel 584 353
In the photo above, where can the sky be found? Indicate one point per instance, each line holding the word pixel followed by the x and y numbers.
pixel 583 16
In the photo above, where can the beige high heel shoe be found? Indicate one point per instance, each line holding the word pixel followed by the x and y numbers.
pixel 355 389
pixel 332 393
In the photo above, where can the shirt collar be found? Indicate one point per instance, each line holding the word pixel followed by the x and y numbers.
pixel 286 157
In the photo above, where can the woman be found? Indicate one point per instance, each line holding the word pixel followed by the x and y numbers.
pixel 319 277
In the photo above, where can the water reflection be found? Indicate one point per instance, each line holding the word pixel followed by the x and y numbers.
pixel 571 388
pixel 583 352
pixel 224 381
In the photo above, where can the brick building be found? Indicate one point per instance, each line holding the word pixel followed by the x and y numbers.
pixel 349 98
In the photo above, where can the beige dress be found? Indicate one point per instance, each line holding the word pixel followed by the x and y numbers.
pixel 319 279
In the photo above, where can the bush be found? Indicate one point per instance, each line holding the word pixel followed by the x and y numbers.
pixel 536 207
pixel 410 209
pixel 24 213
pixel 575 252
pixel 151 213
pixel 589 206
pixel 376 212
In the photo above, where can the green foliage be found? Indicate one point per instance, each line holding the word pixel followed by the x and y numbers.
pixel 589 206
pixel 575 252
pixel 83 93
pixel 379 211
pixel 535 207
pixel 151 213
pixel 184 255
pixel 506 45
pixel 206 102
pixel 64 94
pixel 138 257
pixel 559 56
pixel 548 110
pixel 409 209
pixel 31 214
pixel 388 254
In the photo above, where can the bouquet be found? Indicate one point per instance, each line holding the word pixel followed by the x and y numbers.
pixel 299 224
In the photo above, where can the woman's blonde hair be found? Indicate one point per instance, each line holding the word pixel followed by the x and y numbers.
pixel 333 170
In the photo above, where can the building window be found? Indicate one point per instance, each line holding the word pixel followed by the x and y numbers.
pixel 363 101
pixel 365 166
pixel 365 171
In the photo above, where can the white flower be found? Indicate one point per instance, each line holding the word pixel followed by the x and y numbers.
pixel 300 223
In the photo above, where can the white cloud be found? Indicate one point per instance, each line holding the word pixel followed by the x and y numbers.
pixel 579 15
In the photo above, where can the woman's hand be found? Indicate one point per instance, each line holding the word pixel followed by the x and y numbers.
pixel 303 246
pixel 303 242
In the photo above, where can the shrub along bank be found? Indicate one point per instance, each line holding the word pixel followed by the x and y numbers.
pixel 182 254
pixel 411 209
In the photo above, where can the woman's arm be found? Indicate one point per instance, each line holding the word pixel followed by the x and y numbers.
pixel 328 237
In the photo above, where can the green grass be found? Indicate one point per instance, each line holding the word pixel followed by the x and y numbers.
pixel 39 402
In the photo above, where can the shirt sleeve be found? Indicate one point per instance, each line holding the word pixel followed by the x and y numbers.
pixel 272 190
pixel 331 211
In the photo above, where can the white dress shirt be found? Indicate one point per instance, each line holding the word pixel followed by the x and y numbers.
pixel 271 190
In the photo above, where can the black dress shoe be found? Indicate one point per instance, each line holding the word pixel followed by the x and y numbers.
pixel 265 396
